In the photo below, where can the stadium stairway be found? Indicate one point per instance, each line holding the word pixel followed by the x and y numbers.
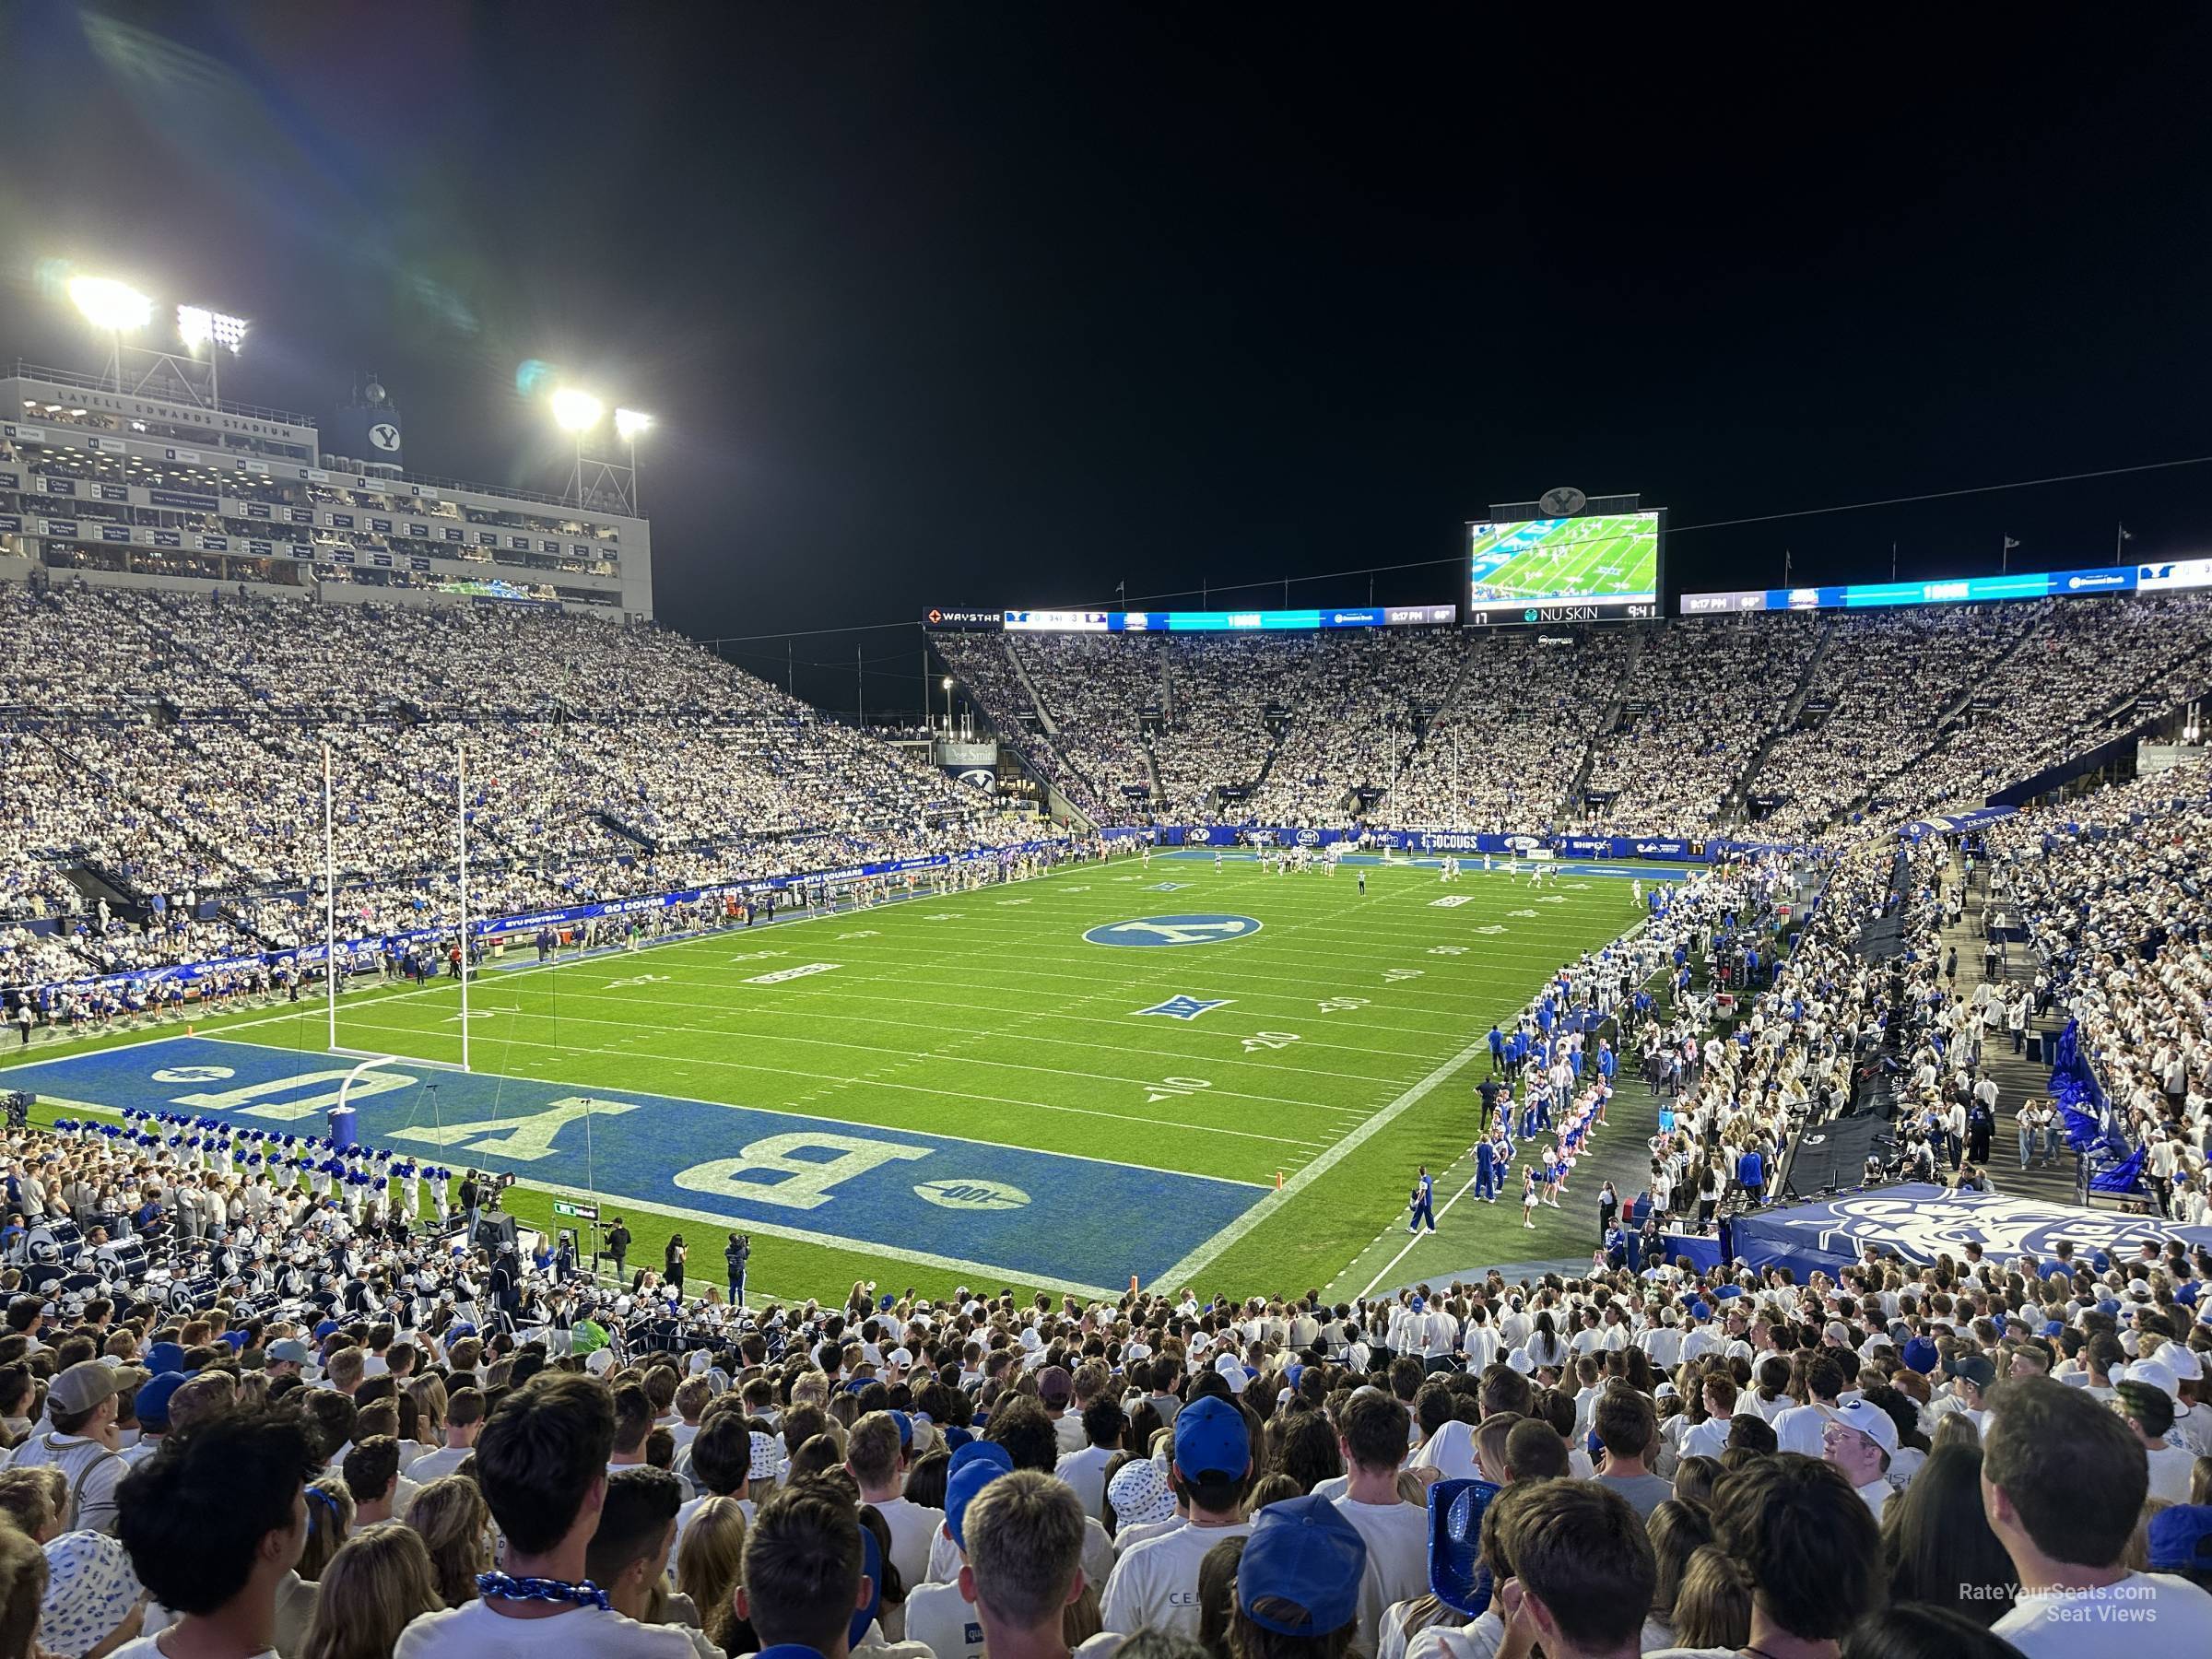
pixel 2016 1076
pixel 1022 673
pixel 1741 791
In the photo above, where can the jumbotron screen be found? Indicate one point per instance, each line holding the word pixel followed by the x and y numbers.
pixel 1602 566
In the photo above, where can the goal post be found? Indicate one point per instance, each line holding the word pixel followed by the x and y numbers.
pixel 330 915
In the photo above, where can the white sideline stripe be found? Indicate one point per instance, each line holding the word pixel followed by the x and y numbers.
pixel 1416 1238
pixel 1190 1265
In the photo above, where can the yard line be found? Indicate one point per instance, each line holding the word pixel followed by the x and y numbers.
pixel 784 1071
pixel 1415 1238
pixel 496 1037
pixel 840 993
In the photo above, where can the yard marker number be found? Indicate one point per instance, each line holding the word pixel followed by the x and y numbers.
pixel 1167 1088
pixel 1269 1039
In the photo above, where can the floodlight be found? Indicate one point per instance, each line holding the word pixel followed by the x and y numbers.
pixel 630 423
pixel 946 682
pixel 576 411
pixel 109 306
pixel 197 326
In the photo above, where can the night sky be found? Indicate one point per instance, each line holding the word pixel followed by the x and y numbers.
pixel 982 305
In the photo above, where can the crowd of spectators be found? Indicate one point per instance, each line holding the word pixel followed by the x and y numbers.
pixel 1701 696
pixel 174 750
pixel 1507 749
pixel 1885 682
pixel 316 1430
pixel 2106 894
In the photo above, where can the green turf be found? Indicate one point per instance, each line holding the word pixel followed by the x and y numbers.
pixel 1584 556
pixel 985 1015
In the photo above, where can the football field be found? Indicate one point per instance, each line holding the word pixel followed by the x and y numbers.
pixel 1578 557
pixel 1186 1073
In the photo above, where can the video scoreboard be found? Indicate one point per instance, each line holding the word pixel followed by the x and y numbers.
pixel 1599 567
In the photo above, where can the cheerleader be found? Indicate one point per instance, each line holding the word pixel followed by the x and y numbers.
pixel 1552 1176
pixel 1528 1198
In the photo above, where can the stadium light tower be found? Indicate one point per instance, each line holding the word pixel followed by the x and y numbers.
pixel 947 684
pixel 198 326
pixel 630 426
pixel 114 308
pixel 577 412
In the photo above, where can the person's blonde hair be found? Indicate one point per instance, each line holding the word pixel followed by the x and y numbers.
pixel 379 1581
pixel 1712 1606
pixel 34 1499
pixel 1025 1545
pixel 428 1394
pixel 710 1561
pixel 454 1522
pixel 22 1589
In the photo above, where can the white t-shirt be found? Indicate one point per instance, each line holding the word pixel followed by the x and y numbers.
pixel 1086 1472
pixel 943 1618
pixel 1799 1428
pixel 148 1647
pixel 1397 1560
pixel 2170 1468
pixel 474 1631
pixel 1155 1584
pixel 438 1463
pixel 2147 1615
pixel 1477 1641
pixel 912 1526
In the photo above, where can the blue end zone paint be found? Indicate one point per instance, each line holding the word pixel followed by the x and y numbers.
pixel 1207 928
pixel 1079 1222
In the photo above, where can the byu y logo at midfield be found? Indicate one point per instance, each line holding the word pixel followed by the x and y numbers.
pixel 1173 930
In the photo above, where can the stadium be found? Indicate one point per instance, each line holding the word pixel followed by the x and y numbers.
pixel 1570 1108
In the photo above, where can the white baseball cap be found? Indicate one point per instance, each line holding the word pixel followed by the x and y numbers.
pixel 2183 1361
pixel 2158 1375
pixel 1870 1420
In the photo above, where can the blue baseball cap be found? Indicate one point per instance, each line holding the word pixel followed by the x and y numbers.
pixel 906 1430
pixel 1301 1570
pixel 151 1401
pixel 1920 1355
pixel 972 1450
pixel 2180 1539
pixel 1210 1438
pixel 165 1357
pixel 960 1492
pixel 1455 1573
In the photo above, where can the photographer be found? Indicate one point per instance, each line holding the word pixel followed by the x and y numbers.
pixel 735 1255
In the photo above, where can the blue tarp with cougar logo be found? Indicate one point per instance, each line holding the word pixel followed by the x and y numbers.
pixel 1919 1222
pixel 1042 1218
pixel 1205 929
